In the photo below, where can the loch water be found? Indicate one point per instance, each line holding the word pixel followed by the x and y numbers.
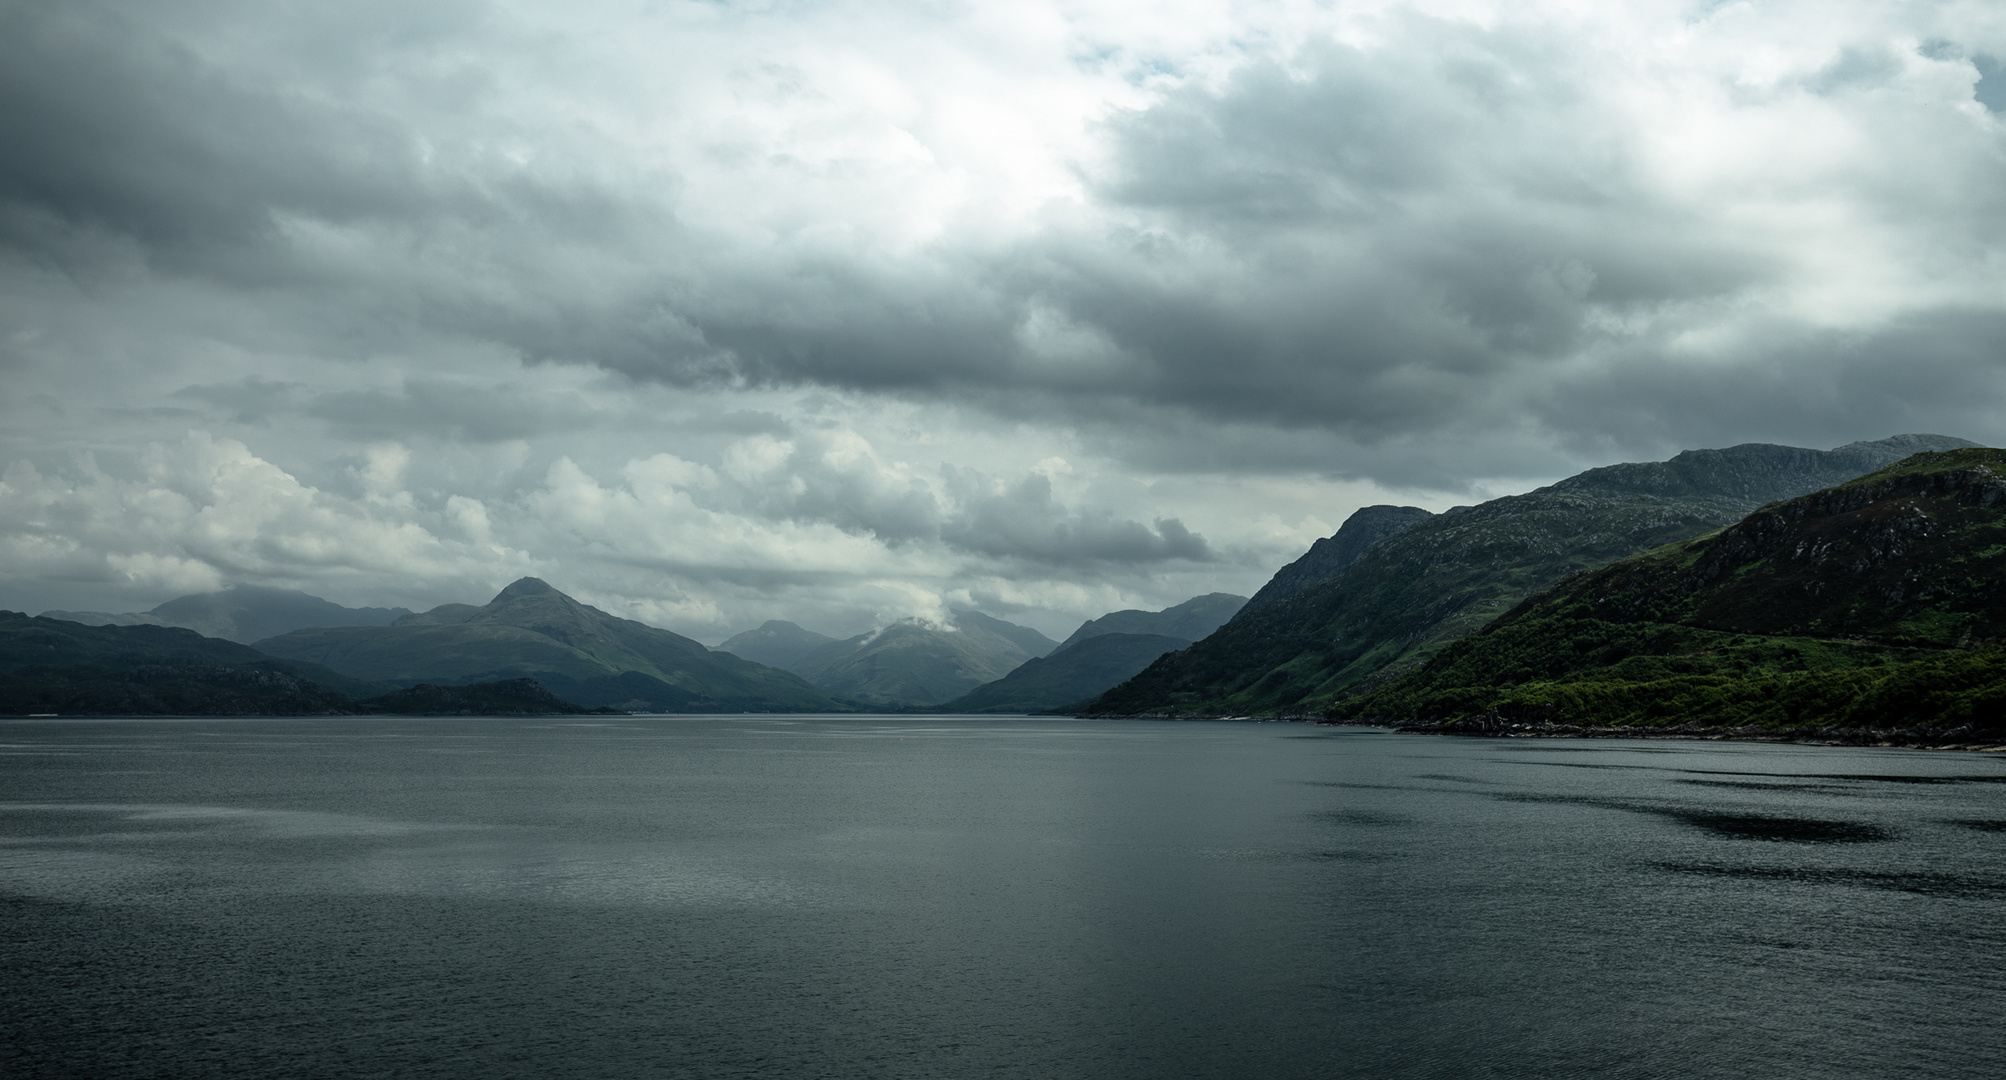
pixel 944 898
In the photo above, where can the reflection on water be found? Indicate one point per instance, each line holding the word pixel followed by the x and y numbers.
pixel 744 896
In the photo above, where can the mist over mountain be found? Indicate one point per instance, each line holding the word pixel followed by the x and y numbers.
pixel 242 613
pixel 1408 594
pixel 912 663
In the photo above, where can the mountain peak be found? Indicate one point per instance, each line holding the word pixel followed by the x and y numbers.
pixel 528 586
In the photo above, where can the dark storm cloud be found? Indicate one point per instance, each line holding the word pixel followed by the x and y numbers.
pixel 1024 522
pixel 1328 257
pixel 111 125
pixel 1944 371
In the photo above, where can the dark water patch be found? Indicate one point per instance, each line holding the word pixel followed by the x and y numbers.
pixel 1787 829
pixel 1753 785
pixel 1980 824
pixel 1350 786
pixel 1897 778
pixel 1791 830
pixel 1875 778
pixel 1358 817
pixel 1918 882
pixel 1452 778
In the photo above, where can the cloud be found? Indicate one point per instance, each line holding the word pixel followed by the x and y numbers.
pixel 205 511
pixel 1391 225
pixel 741 311
pixel 1022 521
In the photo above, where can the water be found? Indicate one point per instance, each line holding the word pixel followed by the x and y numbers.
pixel 745 896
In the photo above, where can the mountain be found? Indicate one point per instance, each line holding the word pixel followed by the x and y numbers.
pixel 776 644
pixel 911 663
pixel 1411 593
pixel 1877 605
pixel 1190 620
pixel 1076 673
pixel 64 667
pixel 582 654
pixel 508 697
pixel 243 613
pixel 1366 526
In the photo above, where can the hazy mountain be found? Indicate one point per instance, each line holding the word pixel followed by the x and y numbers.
pixel 1365 527
pixel 1077 673
pixel 61 666
pixel 582 654
pixel 1409 594
pixel 1879 604
pixel 507 697
pixel 243 613
pixel 1190 620
pixel 911 663
pixel 443 615
pixel 776 643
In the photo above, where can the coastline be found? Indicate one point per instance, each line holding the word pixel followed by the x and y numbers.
pixel 1964 738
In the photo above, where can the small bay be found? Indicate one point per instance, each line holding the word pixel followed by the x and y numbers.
pixel 997 897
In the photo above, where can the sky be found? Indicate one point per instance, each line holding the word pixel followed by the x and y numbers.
pixel 840 313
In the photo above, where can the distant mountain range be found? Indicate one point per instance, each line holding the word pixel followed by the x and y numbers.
pixel 243 613
pixel 1069 677
pixel 582 654
pixel 1333 629
pixel 1872 607
pixel 468 658
pixel 980 663
pixel 1755 586
pixel 911 663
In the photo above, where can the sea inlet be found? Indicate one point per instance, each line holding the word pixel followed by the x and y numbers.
pixel 940 898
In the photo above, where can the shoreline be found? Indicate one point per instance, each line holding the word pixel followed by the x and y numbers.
pixel 1961 738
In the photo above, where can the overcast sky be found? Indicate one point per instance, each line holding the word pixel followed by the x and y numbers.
pixel 710 313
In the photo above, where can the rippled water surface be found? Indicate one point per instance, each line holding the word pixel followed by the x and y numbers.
pixel 747 896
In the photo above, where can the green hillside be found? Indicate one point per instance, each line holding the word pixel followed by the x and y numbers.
pixel 580 653
pixel 1408 595
pixel 1877 604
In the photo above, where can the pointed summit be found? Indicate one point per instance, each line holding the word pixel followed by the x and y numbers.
pixel 522 587
pixel 530 630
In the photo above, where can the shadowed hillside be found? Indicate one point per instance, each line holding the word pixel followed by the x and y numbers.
pixel 582 654
pixel 1409 594
pixel 1071 676
pixel 1878 604
pixel 242 614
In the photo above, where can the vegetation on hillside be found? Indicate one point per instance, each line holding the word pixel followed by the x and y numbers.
pixel 1878 603
pixel 1406 597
